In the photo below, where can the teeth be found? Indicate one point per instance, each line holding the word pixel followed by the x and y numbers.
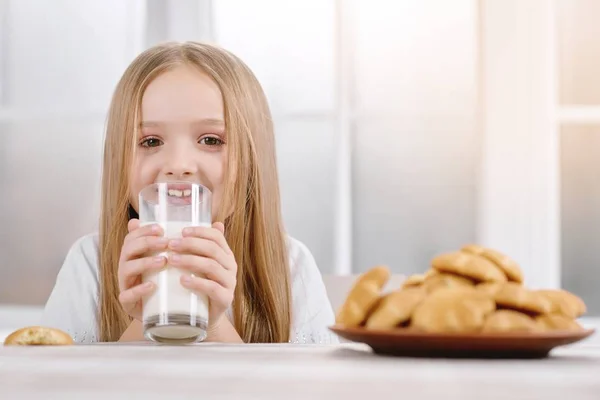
pixel 176 193
pixel 179 193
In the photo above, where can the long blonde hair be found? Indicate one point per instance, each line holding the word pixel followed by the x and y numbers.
pixel 253 228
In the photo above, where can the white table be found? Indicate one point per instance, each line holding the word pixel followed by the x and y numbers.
pixel 349 371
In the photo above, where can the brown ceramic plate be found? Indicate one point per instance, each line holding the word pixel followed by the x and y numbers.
pixel 410 343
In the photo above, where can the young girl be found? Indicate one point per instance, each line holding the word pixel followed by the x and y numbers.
pixel 195 113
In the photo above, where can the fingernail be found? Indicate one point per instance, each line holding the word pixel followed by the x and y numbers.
pixel 187 231
pixel 148 285
pixel 174 258
pixel 159 260
pixel 155 228
pixel 186 279
pixel 175 243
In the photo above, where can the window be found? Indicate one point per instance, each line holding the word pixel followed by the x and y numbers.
pixel 403 129
pixel 579 117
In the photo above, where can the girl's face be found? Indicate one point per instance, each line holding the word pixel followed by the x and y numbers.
pixel 182 134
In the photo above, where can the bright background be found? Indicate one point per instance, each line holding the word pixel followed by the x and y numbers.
pixel 404 128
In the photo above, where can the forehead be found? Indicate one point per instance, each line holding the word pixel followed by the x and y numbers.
pixel 182 94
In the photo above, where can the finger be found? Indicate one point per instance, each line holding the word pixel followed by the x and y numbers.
pixel 131 296
pixel 203 266
pixel 212 289
pixel 219 226
pixel 133 224
pixel 208 233
pixel 132 269
pixel 146 230
pixel 143 245
pixel 204 248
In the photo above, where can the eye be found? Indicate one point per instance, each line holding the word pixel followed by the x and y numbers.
pixel 211 141
pixel 150 142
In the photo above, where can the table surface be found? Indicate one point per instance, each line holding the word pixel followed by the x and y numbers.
pixel 346 371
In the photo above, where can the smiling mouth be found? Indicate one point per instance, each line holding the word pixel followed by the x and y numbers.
pixel 179 197
pixel 179 193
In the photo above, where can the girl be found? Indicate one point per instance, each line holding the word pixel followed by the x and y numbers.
pixel 192 112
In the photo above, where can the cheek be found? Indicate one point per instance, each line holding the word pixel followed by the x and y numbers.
pixel 216 175
pixel 140 176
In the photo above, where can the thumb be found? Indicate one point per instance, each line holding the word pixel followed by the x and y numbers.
pixel 219 226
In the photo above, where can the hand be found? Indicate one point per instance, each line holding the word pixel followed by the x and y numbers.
pixel 135 259
pixel 204 252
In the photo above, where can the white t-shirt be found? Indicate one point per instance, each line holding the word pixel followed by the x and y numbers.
pixel 73 304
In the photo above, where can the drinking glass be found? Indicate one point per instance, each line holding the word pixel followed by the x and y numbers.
pixel 172 313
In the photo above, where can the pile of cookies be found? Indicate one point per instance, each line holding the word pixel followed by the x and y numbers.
pixel 474 289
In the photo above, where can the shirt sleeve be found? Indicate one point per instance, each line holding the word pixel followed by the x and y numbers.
pixel 312 314
pixel 73 302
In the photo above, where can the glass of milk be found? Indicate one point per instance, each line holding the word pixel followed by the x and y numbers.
pixel 172 313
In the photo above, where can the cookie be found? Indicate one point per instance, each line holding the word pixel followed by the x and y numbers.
pixel 490 288
pixel 516 297
pixel 418 279
pixel 469 265
pixel 430 272
pixel 363 296
pixel 413 281
pixel 511 269
pixel 564 303
pixel 445 280
pixel 455 309
pixel 509 321
pixel 38 336
pixel 557 322
pixel 396 308
pixel 375 305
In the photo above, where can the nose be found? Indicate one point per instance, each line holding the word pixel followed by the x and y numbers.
pixel 180 165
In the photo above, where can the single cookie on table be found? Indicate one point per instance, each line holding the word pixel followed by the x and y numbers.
pixel 469 265
pixel 516 297
pixel 557 322
pixel 506 264
pixel 445 280
pixel 396 308
pixel 510 321
pixel 455 309
pixel 38 336
pixel 365 294
pixel 564 303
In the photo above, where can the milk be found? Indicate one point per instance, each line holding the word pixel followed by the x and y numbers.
pixel 173 312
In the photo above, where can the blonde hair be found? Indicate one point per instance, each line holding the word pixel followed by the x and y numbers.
pixel 253 228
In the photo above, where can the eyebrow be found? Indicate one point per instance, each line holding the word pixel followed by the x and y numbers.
pixel 204 121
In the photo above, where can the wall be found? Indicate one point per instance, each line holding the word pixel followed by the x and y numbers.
pixel 397 81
